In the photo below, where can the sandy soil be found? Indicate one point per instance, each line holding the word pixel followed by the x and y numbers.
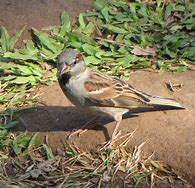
pixel 169 134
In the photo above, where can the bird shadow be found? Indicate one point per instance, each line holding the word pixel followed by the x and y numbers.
pixel 59 118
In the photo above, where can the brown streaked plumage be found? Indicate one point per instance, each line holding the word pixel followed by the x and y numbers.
pixel 113 92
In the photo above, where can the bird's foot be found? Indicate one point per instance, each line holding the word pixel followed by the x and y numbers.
pixel 77 132
pixel 113 139
pixel 87 126
pixel 122 140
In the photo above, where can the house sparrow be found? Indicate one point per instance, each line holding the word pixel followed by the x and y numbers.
pixel 99 93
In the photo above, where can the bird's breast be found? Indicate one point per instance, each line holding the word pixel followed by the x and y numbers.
pixel 74 92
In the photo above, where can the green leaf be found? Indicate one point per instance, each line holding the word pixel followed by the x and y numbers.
pixel 170 52
pixel 36 69
pixel 143 11
pixel 176 27
pixel 168 10
pixel 89 49
pixel 48 55
pixel 73 37
pixel 133 8
pixel 9 125
pixel 159 2
pixel 48 151
pixel 29 52
pixel 128 59
pixel 3 133
pixel 105 14
pixel 47 42
pixel 92 60
pixel 20 142
pixel 22 70
pixel 89 28
pixel 189 23
pixel 76 45
pixel 99 54
pixel 5 65
pixel 180 8
pixel 82 38
pixel 24 80
pixel 7 78
pixel 189 53
pixel 99 5
pixel 61 39
pixel 15 37
pixel 4 39
pixel 66 25
pixel 18 56
pixel 29 49
pixel 34 141
pixel 119 38
pixel 115 29
pixel 108 54
pixel 81 21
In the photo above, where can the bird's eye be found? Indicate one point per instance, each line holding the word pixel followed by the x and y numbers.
pixel 76 61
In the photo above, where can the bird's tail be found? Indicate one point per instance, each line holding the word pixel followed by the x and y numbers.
pixel 164 102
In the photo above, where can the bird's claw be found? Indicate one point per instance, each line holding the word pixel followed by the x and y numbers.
pixel 113 139
pixel 78 132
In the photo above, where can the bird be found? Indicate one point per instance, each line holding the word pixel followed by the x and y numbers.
pixel 101 94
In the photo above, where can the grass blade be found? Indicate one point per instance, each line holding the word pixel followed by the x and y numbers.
pixel 15 38
pixel 4 39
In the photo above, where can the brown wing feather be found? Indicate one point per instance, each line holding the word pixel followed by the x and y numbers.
pixel 113 92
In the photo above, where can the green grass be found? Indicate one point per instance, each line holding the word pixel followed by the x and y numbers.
pixel 117 37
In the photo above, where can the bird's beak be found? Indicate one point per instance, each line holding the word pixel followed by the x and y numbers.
pixel 65 69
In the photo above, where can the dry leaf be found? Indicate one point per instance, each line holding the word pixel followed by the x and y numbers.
pixel 35 173
pixel 141 51
pixel 46 66
pixel 174 86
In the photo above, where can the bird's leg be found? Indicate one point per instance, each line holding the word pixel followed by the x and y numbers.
pixel 114 136
pixel 86 126
pixel 115 133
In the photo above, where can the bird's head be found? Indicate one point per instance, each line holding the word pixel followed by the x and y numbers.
pixel 70 63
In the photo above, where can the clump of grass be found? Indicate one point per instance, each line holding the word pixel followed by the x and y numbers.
pixel 11 144
pixel 25 161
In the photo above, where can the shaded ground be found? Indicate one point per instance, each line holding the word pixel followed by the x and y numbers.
pixel 170 134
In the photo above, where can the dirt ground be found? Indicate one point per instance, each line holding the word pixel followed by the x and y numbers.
pixel 169 134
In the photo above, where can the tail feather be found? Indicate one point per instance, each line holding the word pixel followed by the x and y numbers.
pixel 164 102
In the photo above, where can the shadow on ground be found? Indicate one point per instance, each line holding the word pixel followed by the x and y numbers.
pixel 58 119
pixel 68 119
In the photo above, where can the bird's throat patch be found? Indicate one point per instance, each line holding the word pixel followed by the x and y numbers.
pixel 64 79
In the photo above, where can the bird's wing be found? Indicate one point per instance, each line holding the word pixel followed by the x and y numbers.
pixel 108 91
